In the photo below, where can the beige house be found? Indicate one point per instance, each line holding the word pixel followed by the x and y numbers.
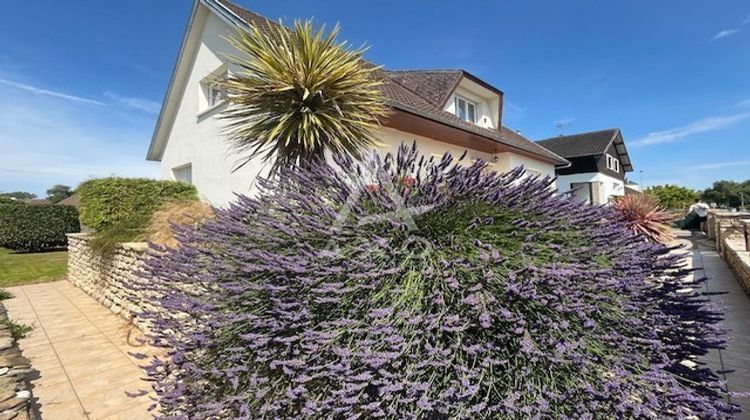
pixel 442 110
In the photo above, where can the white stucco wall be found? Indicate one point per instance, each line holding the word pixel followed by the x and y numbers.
pixel 612 186
pixel 195 138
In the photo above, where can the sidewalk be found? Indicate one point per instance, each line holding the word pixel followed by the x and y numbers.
pixel 79 352
pixel 734 361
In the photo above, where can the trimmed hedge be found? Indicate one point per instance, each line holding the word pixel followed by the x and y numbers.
pixel 107 203
pixel 36 227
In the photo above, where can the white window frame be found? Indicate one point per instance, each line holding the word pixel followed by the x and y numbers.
pixel 214 93
pixel 179 171
pixel 210 87
pixel 465 109
pixel 613 163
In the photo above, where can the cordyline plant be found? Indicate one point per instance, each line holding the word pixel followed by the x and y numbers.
pixel 478 295
pixel 645 217
pixel 299 93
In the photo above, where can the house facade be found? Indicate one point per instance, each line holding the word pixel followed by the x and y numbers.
pixel 599 162
pixel 442 110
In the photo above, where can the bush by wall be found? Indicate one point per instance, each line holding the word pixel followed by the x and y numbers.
pixel 491 297
pixel 108 202
pixel 26 227
pixel 118 209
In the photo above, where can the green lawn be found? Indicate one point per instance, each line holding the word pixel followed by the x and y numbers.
pixel 17 269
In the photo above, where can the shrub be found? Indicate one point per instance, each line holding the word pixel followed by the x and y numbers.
pixel 160 229
pixel 17 330
pixel 119 209
pixel 487 297
pixel 36 227
pixel 106 202
pixel 673 197
pixel 645 217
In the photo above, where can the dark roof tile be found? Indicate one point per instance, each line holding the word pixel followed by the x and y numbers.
pixel 593 143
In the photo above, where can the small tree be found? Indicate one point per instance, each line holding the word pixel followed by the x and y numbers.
pixel 300 93
pixel 728 193
pixel 59 193
pixel 673 196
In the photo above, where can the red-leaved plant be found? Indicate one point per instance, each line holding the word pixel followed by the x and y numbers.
pixel 645 217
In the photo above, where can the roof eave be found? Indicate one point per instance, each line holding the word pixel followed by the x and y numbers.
pixel 417 112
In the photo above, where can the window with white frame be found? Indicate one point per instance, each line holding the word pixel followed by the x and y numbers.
pixel 466 109
pixel 213 91
pixel 613 163
pixel 183 173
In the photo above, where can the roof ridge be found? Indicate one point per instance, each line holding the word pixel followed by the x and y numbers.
pixel 578 134
pixel 427 71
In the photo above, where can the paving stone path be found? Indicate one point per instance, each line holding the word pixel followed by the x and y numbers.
pixel 735 359
pixel 79 354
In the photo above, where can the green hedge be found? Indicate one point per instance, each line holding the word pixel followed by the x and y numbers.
pixel 36 227
pixel 110 202
pixel 119 208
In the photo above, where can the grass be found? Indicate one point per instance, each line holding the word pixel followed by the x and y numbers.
pixel 20 268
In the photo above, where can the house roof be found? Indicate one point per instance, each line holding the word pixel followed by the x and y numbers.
pixel 74 200
pixel 593 143
pixel 420 92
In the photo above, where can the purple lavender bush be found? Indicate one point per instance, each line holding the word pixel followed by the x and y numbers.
pixel 432 290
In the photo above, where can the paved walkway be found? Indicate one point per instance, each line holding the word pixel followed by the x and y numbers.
pixel 735 359
pixel 79 352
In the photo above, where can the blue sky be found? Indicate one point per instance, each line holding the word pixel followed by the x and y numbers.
pixel 81 82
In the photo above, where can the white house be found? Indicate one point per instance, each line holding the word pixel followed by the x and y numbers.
pixel 442 110
pixel 599 161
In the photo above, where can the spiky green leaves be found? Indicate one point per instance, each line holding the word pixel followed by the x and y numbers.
pixel 299 93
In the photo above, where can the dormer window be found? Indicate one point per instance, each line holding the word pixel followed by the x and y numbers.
pixel 466 110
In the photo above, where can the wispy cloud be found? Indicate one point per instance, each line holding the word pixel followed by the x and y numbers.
pixel 564 122
pixel 46 141
pixel 46 92
pixel 745 103
pixel 746 20
pixel 725 33
pixel 719 165
pixel 139 104
pixel 695 127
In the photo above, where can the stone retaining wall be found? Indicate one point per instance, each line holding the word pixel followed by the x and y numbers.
pixel 728 230
pixel 738 259
pixel 15 392
pixel 111 280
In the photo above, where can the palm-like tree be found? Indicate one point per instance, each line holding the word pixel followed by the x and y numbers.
pixel 299 93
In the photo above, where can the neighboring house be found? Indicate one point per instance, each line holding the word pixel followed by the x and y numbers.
pixel 599 161
pixel 442 110
pixel 74 200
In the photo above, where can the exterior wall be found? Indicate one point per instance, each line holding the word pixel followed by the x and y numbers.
pixel 608 186
pixel 112 281
pixel 602 164
pixel 391 139
pixel 195 137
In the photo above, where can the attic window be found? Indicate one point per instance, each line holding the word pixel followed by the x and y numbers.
pixel 466 110
pixel 612 163
pixel 183 173
pixel 211 87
